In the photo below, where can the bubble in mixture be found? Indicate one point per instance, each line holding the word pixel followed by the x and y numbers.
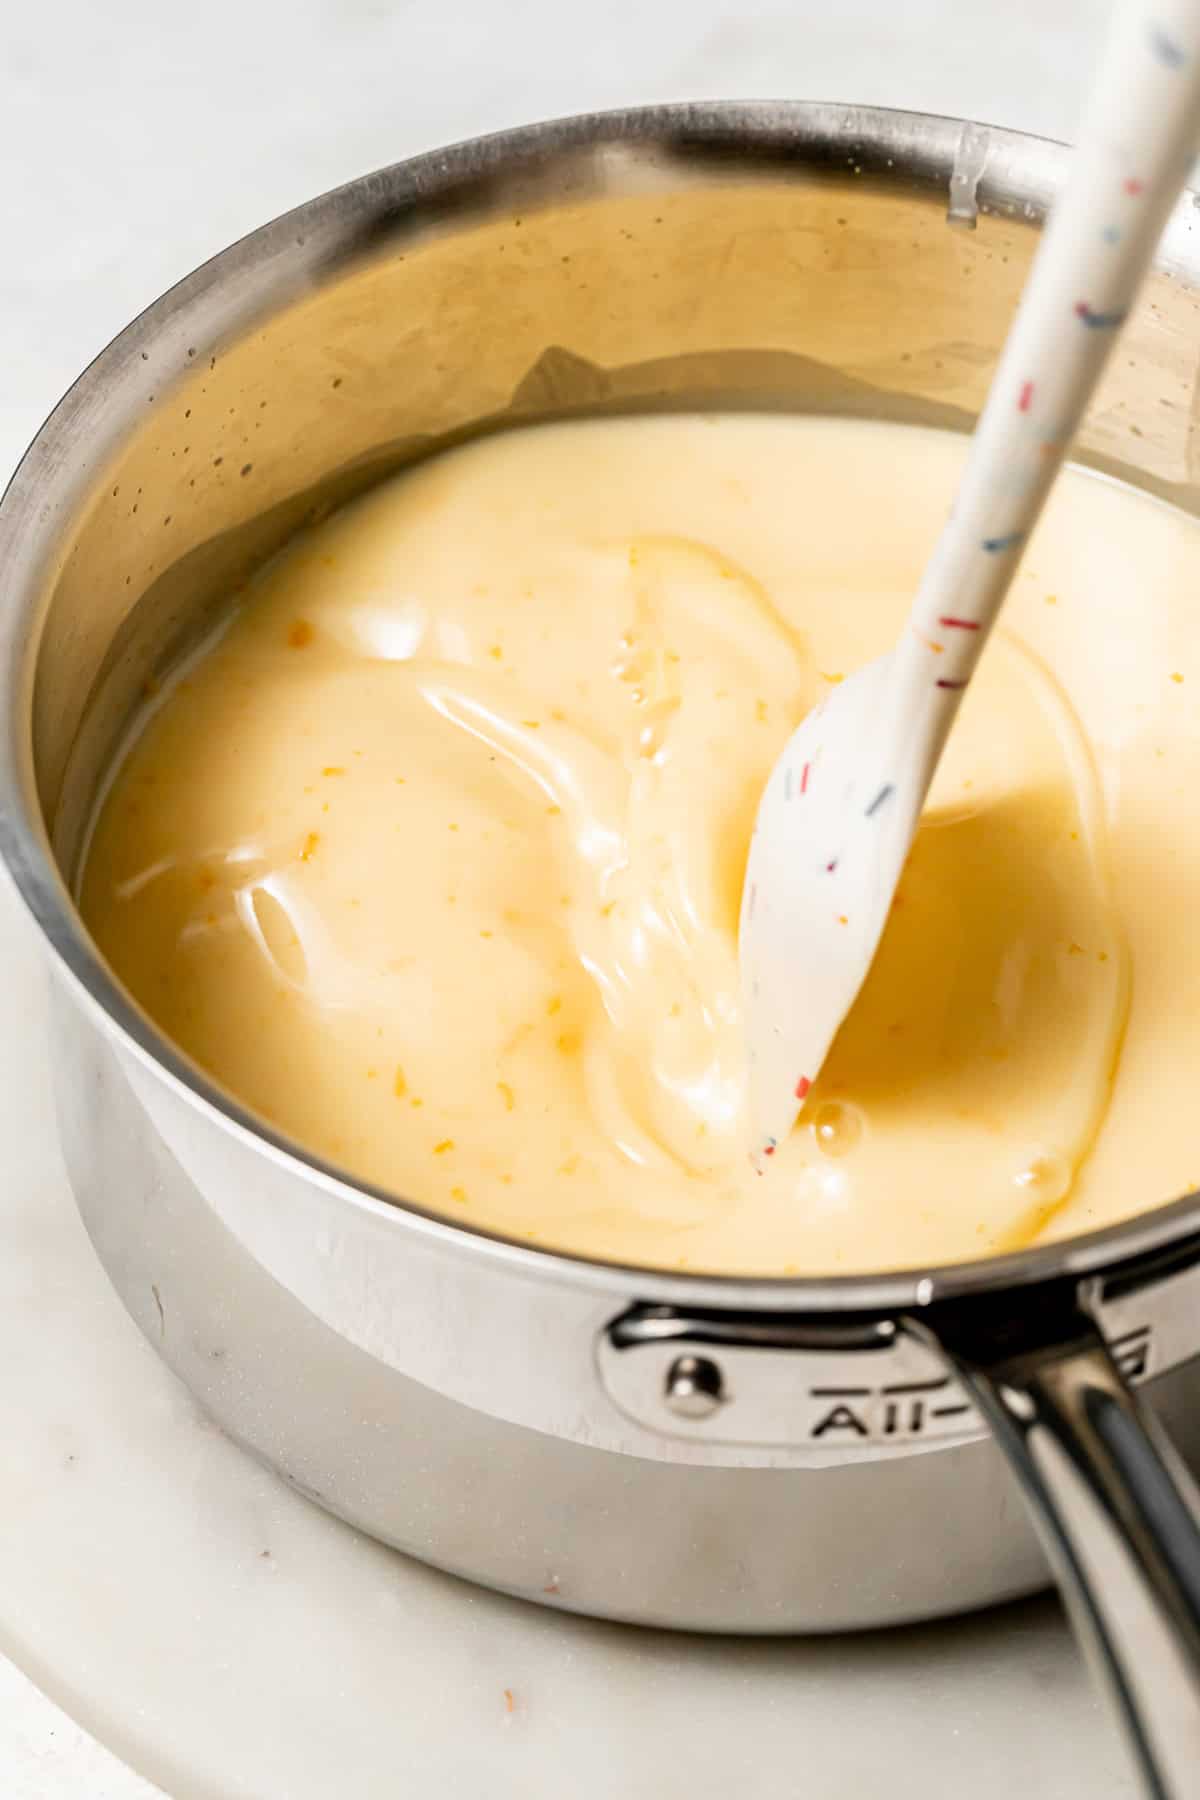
pixel 836 1127
pixel 1045 1178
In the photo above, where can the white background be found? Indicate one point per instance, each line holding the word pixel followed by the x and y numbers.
pixel 135 140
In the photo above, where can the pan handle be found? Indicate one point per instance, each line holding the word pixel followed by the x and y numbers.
pixel 1117 1512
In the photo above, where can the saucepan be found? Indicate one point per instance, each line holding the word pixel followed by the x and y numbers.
pixel 710 1453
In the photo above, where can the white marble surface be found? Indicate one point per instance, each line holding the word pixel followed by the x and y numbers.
pixel 213 1629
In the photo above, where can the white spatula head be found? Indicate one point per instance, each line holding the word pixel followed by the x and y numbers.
pixel 834 826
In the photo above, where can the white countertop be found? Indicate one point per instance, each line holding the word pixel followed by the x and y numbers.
pixel 217 1631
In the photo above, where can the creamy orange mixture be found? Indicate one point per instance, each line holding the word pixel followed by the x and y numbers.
pixel 434 856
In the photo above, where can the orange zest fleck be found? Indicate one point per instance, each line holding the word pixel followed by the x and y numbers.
pixel 399 1084
pixel 333 769
pixel 507 1095
pixel 300 635
pixel 441 1149
pixel 310 844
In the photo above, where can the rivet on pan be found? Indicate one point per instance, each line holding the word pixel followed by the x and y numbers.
pixel 693 1388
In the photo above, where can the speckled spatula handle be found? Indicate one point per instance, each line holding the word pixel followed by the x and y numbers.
pixel 1135 148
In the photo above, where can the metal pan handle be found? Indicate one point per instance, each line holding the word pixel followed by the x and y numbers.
pixel 1117 1512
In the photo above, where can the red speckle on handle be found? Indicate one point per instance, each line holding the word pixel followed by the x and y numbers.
pixel 769 1150
pixel 1133 187
pixel 804 778
pixel 953 624
pixel 802 1087
pixel 1025 400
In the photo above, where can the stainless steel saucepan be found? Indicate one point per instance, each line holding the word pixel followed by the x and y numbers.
pixel 719 1454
